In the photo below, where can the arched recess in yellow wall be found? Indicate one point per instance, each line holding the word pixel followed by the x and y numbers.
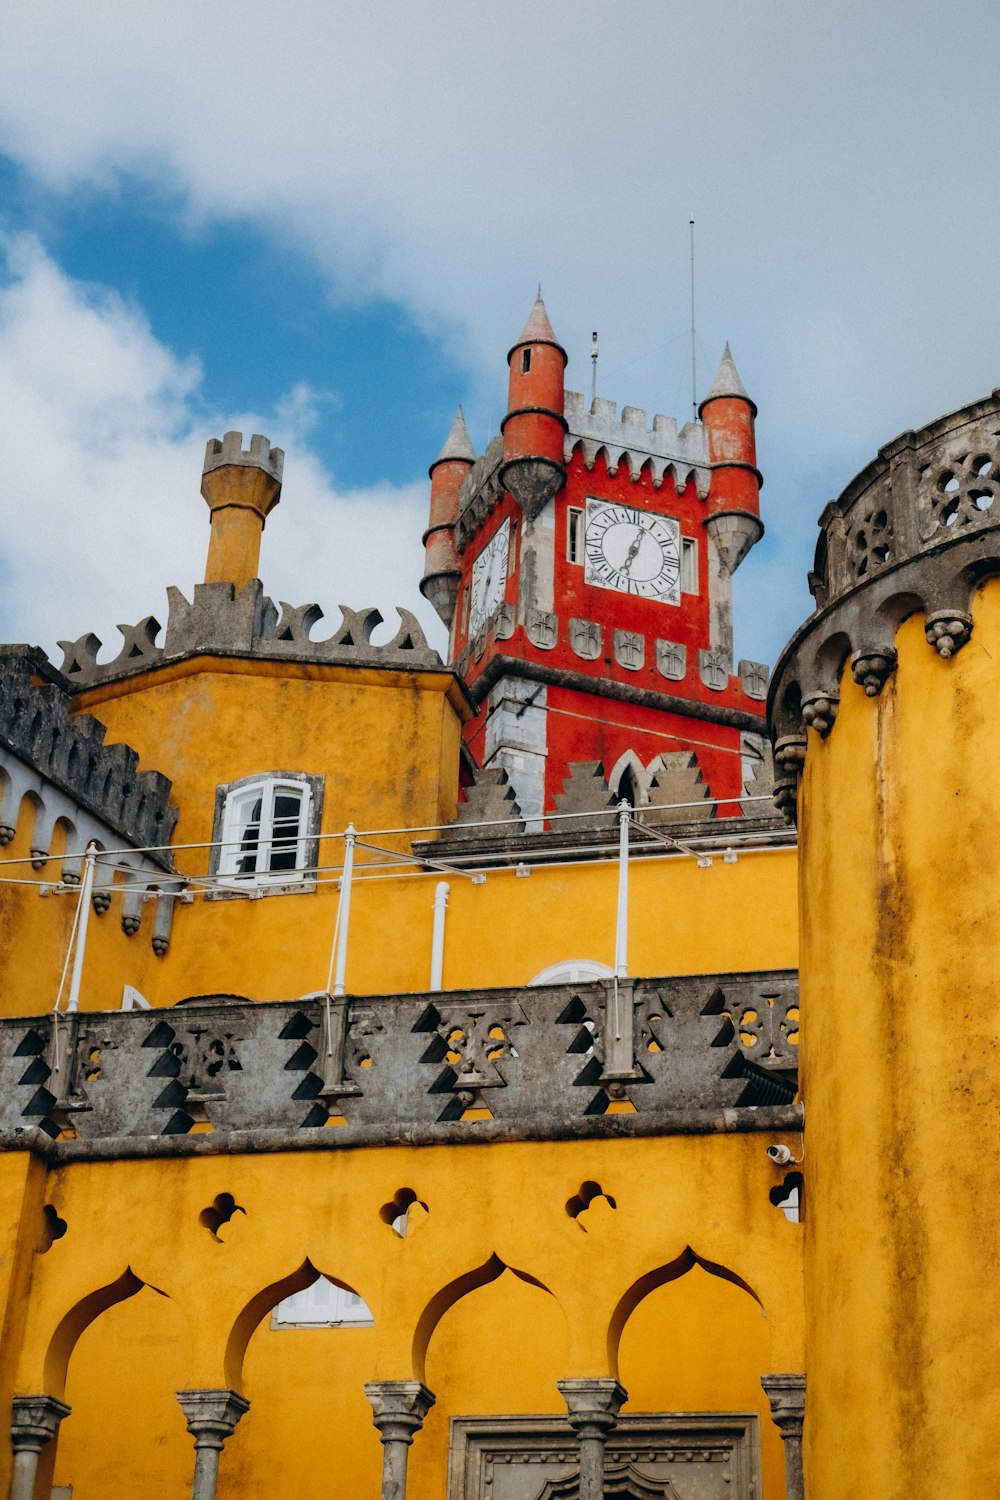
pixel 658 1277
pixel 80 1317
pixel 126 1432
pixel 450 1294
pixel 261 1304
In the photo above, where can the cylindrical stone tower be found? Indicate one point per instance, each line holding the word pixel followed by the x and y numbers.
pixel 883 709
pixel 534 465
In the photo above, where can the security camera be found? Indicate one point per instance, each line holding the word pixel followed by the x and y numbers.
pixel 780 1155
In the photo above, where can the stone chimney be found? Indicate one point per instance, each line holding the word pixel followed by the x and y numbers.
pixel 241 489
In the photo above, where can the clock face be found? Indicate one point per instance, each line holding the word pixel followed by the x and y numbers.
pixel 489 578
pixel 632 551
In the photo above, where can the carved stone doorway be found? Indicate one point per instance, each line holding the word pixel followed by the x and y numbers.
pixel 657 1456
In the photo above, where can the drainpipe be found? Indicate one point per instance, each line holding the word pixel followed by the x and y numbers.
pixel 89 866
pixel 441 891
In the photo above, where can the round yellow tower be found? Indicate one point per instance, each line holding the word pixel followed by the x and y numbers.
pixel 883 711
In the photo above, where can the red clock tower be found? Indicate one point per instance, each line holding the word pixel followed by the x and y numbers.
pixel 583 564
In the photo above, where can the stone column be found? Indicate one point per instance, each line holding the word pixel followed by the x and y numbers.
pixel 592 1407
pixel 34 1422
pixel 787 1395
pixel 211 1416
pixel 398 1411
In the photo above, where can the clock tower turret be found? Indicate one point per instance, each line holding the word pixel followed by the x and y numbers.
pixel 533 430
pixel 593 604
pixel 442 568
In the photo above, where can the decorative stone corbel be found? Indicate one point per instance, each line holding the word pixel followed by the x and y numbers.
pixel 947 630
pixel 592 1408
pixel 211 1417
pixel 787 1397
pixel 872 666
pixel 398 1411
pixel 34 1422
pixel 819 711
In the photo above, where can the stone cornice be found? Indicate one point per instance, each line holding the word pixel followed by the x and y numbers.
pixel 501 666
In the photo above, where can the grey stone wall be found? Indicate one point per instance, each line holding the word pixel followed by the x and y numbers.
pixel 546 1062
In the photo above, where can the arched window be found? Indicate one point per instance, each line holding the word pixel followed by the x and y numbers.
pixel 266 828
pixel 627 791
pixel 573 971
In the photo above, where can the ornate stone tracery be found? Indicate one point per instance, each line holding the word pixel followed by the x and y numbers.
pixel 917 532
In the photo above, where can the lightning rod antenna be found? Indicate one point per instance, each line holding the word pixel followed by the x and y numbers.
pixel 694 373
pixel 593 370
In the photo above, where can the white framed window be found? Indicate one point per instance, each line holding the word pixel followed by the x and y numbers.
pixel 266 830
pixel 689 565
pixel 574 534
pixel 323 1305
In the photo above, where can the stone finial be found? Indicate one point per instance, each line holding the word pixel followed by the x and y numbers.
pixel 241 488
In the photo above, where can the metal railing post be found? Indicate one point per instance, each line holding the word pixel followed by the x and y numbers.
pixel 89 867
pixel 621 930
pixel 344 910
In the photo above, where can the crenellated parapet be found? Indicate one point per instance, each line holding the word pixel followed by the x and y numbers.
pixel 44 745
pixel 916 532
pixel 481 491
pixel 221 620
pixel 681 456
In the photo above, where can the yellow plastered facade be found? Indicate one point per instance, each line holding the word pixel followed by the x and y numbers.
pixel 495 1342
pixel 500 1292
pixel 900 984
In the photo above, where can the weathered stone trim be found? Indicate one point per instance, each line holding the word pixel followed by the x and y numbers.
pixel 511 666
pixel 763 1120
pixel 68 750
pixel 223 621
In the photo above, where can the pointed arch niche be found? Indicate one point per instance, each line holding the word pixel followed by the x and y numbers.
pixel 123 1353
pixel 693 1336
pixel 300 1379
pixel 492 1341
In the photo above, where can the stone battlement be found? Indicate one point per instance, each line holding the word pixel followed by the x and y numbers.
pixel 222 621
pixel 68 751
pixel 627 439
pixel 220 452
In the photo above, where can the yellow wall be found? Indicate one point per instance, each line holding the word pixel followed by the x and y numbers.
pixel 387 747
pixel 900 984
pixel 491 1344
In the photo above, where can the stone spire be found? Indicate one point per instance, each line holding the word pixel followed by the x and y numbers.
pixel 727 382
pixel 458 444
pixel 538 329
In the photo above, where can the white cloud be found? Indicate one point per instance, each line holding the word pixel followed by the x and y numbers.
pixel 105 434
pixel 838 159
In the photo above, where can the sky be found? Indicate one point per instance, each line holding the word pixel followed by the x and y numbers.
pixel 327 222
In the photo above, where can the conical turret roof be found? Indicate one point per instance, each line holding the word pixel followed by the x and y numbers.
pixel 538 329
pixel 458 444
pixel 727 382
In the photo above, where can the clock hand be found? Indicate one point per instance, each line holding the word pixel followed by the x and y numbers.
pixel 632 553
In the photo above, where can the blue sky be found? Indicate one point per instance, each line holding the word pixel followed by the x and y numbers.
pixel 329 226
